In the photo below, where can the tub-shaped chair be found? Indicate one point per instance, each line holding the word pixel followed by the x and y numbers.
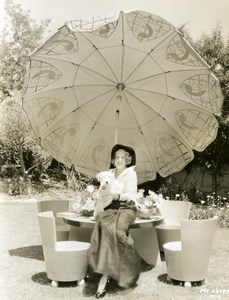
pixel 65 260
pixel 172 211
pixel 187 260
pixel 62 229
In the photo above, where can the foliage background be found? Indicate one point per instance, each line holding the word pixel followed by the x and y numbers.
pixel 23 161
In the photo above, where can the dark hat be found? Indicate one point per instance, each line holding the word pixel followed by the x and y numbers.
pixel 127 149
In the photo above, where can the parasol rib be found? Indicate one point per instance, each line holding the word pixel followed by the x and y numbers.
pixel 97 49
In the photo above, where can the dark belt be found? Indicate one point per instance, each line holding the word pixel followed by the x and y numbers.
pixel 115 204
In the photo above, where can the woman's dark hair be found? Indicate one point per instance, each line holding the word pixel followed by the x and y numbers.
pixel 129 150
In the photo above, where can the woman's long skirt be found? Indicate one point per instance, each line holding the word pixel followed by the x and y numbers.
pixel 112 251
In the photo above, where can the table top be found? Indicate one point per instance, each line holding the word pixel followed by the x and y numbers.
pixel 73 219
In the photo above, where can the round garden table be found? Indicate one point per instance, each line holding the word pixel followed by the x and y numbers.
pixel 143 232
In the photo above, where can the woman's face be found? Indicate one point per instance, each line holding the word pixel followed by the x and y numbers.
pixel 120 159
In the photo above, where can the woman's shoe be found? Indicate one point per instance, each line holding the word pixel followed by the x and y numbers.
pixel 99 295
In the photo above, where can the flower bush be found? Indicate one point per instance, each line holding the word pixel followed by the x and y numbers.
pixel 149 205
pixel 84 203
pixel 199 212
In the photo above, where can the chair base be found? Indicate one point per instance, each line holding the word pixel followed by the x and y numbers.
pixel 187 284
pixel 81 282
pixel 55 283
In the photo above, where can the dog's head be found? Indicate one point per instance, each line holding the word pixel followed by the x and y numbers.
pixel 105 178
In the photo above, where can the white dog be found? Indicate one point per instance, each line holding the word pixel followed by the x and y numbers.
pixel 108 187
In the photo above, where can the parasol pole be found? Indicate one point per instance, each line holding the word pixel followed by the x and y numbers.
pixel 116 126
pixel 120 87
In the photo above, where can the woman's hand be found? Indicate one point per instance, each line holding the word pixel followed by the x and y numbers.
pixel 116 197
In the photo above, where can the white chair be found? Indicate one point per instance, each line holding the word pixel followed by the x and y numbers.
pixel 65 260
pixel 187 260
pixel 172 211
pixel 62 229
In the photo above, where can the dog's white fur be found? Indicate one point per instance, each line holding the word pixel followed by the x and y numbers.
pixel 108 187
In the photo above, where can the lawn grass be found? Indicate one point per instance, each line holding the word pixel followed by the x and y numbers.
pixel 23 269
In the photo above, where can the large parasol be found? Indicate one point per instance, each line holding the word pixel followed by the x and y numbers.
pixel 127 78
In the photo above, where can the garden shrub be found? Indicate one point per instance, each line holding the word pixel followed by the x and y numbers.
pixel 205 212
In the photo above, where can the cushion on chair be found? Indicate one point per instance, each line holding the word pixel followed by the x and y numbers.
pixel 173 246
pixel 71 246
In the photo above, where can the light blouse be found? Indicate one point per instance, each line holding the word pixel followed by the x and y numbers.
pixel 128 179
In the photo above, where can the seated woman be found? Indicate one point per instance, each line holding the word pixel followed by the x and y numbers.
pixel 112 252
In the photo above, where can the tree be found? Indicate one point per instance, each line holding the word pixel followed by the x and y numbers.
pixel 18 145
pixel 21 35
pixel 17 139
pixel 215 52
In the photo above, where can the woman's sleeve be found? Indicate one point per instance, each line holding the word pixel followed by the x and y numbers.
pixel 129 187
